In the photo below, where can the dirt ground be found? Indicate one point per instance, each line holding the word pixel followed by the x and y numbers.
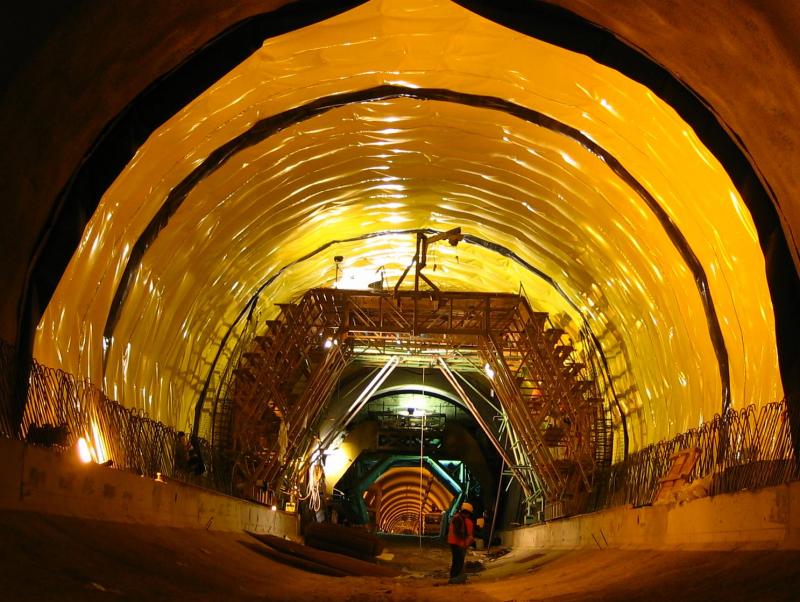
pixel 57 558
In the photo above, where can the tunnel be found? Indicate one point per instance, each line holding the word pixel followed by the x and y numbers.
pixel 280 267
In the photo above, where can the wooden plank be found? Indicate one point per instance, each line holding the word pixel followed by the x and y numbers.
pixel 359 539
pixel 347 564
pixel 294 561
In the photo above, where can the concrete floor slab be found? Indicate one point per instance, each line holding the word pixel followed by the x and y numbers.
pixel 61 558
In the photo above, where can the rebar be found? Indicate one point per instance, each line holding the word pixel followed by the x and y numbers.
pixel 748 449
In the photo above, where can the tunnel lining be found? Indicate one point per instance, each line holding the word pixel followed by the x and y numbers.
pixel 33 284
pixel 323 168
pixel 266 127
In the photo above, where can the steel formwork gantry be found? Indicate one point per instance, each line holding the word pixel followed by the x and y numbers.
pixel 286 378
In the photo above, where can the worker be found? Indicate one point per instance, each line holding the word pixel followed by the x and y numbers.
pixel 460 536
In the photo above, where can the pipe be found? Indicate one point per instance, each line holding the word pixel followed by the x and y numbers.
pixel 496 504
pixel 448 374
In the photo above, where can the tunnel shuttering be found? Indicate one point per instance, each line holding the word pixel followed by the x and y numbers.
pixel 548 423
pixel 613 315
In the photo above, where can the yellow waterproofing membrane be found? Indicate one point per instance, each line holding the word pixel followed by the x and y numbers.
pixel 397 164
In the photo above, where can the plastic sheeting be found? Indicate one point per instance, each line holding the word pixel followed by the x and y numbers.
pixel 404 163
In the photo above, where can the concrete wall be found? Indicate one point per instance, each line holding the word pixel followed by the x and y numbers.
pixel 764 519
pixel 41 480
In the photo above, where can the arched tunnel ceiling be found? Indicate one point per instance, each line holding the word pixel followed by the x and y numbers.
pixel 404 488
pixel 405 163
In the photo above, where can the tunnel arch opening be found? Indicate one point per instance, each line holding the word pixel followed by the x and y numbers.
pixel 420 430
pixel 223 149
pixel 267 127
pixel 128 335
pixel 553 24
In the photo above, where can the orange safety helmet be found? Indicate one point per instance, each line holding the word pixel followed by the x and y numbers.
pixel 466 506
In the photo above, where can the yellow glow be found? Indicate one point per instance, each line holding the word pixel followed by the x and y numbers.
pixel 84 453
pixel 403 164
pixel 417 403
pixel 335 463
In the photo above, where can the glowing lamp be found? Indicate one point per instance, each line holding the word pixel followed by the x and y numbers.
pixel 84 453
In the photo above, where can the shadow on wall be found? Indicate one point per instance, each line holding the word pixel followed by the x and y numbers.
pixel 459 443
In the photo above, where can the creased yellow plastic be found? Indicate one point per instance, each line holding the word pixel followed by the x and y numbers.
pixel 403 164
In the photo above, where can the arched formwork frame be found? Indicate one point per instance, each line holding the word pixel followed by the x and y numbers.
pixel 552 412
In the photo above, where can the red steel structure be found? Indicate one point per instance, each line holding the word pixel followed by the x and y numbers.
pixel 554 417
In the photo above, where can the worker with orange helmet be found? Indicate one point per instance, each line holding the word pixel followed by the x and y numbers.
pixel 460 536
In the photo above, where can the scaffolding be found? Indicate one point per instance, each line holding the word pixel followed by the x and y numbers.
pixel 555 419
